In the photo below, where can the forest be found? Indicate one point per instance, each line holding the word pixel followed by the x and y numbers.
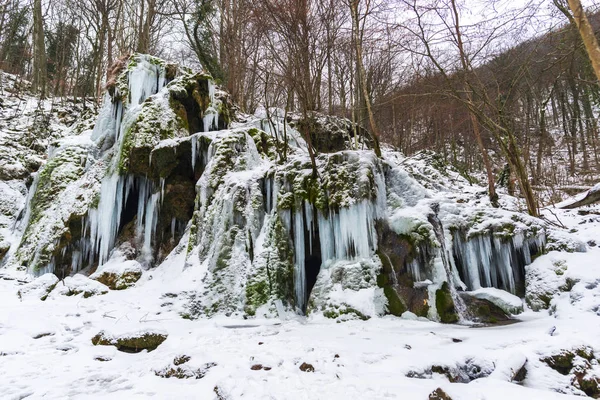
pixel 522 67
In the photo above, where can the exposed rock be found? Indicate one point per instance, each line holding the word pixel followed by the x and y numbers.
pixel 445 305
pixel 305 367
pixel 439 394
pixel 119 275
pixel 184 372
pixel 258 367
pixel 512 367
pixel 181 359
pixel 483 311
pixel 131 342
pixel 509 303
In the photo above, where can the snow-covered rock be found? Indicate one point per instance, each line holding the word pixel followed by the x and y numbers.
pixel 508 302
pixel 118 274
pixel 79 285
pixel 39 288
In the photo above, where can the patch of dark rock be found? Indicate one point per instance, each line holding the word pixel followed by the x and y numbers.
pixel 445 305
pixel 185 372
pixel 521 374
pixel 181 359
pixel 133 343
pixel 336 356
pixel 258 367
pixel 408 347
pixel 305 367
pixel 455 340
pixel 439 394
pixel 171 295
pixel 592 243
pixel 43 334
pixel 260 343
pixel 102 358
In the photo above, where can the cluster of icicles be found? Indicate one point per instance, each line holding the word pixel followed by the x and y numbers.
pixel 101 225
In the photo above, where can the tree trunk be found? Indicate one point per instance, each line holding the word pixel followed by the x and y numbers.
pixel 484 154
pixel 362 76
pixel 587 35
pixel 40 71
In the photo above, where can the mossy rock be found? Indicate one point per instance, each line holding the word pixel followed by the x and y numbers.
pixel 484 311
pixel 130 343
pixel 117 281
pixel 445 305
pixel 395 305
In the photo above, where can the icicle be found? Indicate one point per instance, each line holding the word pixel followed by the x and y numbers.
pixel 21 224
pixel 173 225
pixel 194 144
pixel 308 213
pixel 211 90
pixel 150 221
pixel 299 265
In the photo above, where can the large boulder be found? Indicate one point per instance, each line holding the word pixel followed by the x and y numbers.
pixel 118 274
pixel 132 342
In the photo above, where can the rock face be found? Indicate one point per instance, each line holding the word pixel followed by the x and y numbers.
pixel 171 167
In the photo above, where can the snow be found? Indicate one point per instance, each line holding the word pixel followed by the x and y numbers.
pixel 508 302
pixel 373 355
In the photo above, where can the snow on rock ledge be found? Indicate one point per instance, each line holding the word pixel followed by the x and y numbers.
pixel 509 303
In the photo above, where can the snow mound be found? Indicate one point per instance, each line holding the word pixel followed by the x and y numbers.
pixel 38 288
pixel 79 284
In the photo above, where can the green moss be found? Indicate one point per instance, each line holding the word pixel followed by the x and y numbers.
pixel 272 277
pixel 395 305
pixel 257 293
pixel 445 305
pixel 344 310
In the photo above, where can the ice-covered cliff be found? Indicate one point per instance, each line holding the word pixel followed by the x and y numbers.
pixel 172 173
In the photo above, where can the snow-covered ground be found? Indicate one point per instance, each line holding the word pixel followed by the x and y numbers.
pixel 46 349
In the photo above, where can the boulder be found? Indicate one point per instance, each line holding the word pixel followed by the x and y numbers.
pixel 131 342
pixel 119 275
pixel 509 303
pixel 80 284
pixel 39 288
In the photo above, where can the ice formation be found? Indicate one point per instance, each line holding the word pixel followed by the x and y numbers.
pixel 487 260
pixel 267 229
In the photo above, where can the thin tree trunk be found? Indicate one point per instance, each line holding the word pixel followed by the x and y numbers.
pixel 587 34
pixel 362 77
pixel 40 70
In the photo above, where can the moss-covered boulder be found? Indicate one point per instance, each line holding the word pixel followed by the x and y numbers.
pixel 131 342
pixel 119 275
pixel 484 311
pixel 445 305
